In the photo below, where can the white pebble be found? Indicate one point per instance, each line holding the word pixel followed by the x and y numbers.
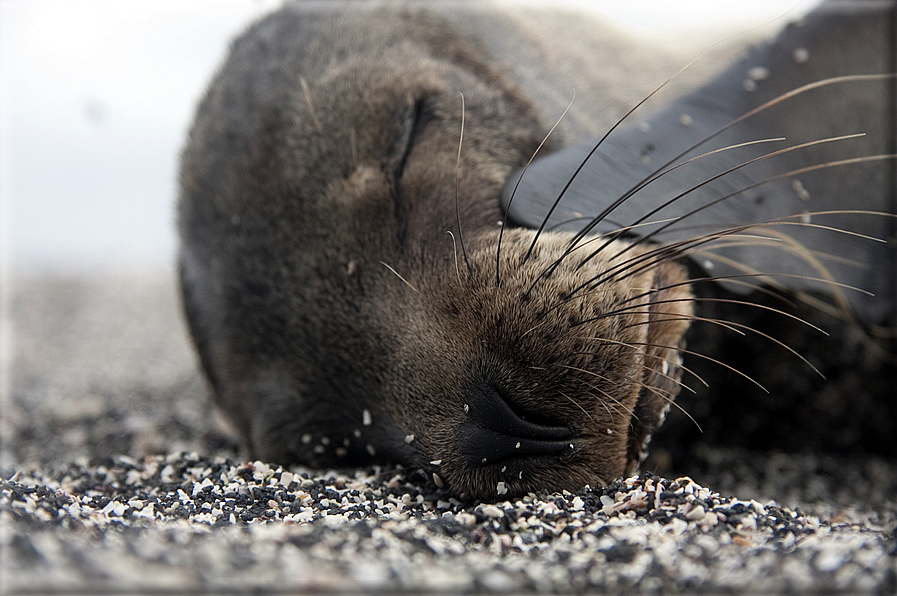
pixel 167 474
pixel 695 514
pixel 437 480
pixel 677 526
pixel 829 559
pixel 466 519
pixel 259 471
pixel 409 439
pixel 286 478
pixel 501 488
pixel 685 120
pixel 491 511
pixel 366 417
pixel 801 55
pixel 147 512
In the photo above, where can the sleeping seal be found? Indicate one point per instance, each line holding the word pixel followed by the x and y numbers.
pixel 350 287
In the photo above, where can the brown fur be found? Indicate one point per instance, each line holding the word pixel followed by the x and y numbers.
pixel 323 292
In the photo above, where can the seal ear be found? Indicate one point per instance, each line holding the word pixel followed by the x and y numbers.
pixel 670 312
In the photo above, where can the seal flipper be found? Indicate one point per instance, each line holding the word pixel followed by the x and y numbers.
pixel 837 39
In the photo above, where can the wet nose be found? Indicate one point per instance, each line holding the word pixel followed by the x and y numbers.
pixel 493 431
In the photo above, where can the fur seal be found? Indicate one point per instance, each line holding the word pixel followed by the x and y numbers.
pixel 337 321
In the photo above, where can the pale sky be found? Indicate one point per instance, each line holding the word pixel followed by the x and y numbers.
pixel 96 96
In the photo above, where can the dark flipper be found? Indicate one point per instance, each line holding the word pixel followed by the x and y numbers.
pixel 838 39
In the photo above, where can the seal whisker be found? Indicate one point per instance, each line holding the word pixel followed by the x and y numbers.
pixel 597 145
pixel 735 327
pixel 678 197
pixel 727 278
pixel 789 174
pixel 628 309
pixel 598 389
pixel 665 395
pixel 734 278
pixel 753 112
pixel 657 176
pixel 675 250
pixel 584 411
pixel 458 184
pixel 517 185
pixel 455 253
pixel 704 357
pixel 311 108
pixel 650 345
pixel 405 281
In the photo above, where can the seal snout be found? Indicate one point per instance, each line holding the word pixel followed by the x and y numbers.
pixel 494 431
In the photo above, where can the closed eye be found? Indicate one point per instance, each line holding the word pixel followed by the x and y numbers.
pixel 413 121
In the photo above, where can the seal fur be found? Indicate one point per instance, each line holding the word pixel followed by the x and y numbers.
pixel 336 320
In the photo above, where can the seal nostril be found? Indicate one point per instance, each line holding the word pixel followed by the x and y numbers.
pixel 495 431
pixel 489 409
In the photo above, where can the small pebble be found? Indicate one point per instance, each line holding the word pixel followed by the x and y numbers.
pixel 695 514
pixel 491 511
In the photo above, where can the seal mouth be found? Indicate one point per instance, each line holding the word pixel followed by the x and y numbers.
pixel 494 431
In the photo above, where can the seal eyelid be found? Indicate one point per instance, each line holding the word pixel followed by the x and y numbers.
pixel 414 118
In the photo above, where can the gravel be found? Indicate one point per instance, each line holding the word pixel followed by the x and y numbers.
pixel 116 478
pixel 187 522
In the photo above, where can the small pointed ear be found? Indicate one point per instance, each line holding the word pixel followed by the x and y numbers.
pixel 670 311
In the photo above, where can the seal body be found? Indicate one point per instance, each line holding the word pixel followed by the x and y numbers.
pixel 342 279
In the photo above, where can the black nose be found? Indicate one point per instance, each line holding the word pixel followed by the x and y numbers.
pixel 494 431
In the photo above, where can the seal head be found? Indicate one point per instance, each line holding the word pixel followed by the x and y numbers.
pixel 336 320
